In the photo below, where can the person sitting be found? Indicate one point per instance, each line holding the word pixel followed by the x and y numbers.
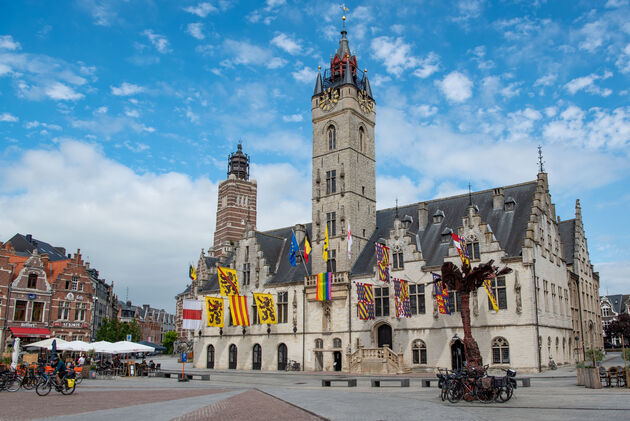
pixel 60 370
pixel 151 365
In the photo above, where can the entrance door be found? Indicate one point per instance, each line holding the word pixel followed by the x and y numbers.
pixel 282 357
pixel 319 361
pixel 210 357
pixel 337 360
pixel 232 359
pixel 457 355
pixel 385 336
pixel 256 357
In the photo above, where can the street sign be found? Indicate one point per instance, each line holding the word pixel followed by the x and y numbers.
pixel 184 357
pixel 129 337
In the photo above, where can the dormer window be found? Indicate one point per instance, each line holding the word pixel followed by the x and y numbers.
pixel 438 217
pixel 32 280
pixel 509 205
pixel 446 236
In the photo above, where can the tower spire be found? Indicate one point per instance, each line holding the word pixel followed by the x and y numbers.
pixel 541 167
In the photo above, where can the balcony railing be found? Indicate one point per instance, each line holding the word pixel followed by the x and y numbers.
pixel 338 278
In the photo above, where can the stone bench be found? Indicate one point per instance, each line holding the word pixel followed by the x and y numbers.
pixel 404 382
pixel 188 376
pixel 349 382
pixel 427 382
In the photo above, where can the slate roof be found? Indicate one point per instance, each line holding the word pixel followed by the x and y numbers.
pixel 508 226
pixel 24 247
pixel 567 237
pixel 618 302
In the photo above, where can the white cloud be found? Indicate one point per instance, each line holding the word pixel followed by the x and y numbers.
pixel 394 53
pixel 293 118
pixel 428 66
pixel 389 189
pixel 126 89
pixel 7 43
pixel 613 277
pixel 8 118
pixel 594 35
pixel 242 52
pixel 102 110
pixel 425 110
pixel 196 30
pixel 547 80
pixel 623 60
pixel 202 9
pixel 305 75
pixel 117 233
pixel 132 113
pixel 289 45
pixel 468 9
pixel 276 63
pixel 588 84
pixel 106 125
pixel 101 11
pixel 159 41
pixel 456 87
pixel 61 92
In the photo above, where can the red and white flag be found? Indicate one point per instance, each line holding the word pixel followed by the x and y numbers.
pixel 191 315
pixel 349 242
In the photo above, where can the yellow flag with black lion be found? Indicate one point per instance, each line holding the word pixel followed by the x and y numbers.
pixel 266 309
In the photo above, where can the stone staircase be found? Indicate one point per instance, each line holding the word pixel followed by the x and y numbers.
pixel 376 361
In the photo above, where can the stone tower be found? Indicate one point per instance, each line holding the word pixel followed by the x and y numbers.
pixel 344 190
pixel 236 207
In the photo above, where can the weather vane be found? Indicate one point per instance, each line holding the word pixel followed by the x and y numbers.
pixel 344 9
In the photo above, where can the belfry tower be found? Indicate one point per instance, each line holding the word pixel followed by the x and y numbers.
pixel 344 190
pixel 236 207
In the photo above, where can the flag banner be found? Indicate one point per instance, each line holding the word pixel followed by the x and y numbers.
pixel 401 298
pixel 365 293
pixel 307 248
pixel 448 301
pixel 488 286
pixel 266 309
pixel 366 311
pixel 228 281
pixel 461 249
pixel 325 250
pixel 294 250
pixel 191 315
pixel 214 307
pixel 382 261
pixel 438 294
pixel 238 310
pixel 349 242
pixel 192 273
pixel 324 285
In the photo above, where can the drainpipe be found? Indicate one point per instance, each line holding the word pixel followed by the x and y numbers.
pixel 6 314
pixel 349 320
pixel 538 341
pixel 303 326
pixel 577 281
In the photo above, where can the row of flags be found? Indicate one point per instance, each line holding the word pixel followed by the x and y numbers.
pixel 365 301
pixel 239 311
pixel 401 298
pixel 295 247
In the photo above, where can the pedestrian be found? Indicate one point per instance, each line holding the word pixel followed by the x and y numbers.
pixel 81 361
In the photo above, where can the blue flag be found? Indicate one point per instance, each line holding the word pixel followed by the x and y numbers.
pixel 295 248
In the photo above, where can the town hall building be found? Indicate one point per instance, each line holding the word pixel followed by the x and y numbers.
pixel 544 304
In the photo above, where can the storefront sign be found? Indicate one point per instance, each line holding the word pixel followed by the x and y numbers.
pixel 72 324
pixel 27 324
pixel 32 296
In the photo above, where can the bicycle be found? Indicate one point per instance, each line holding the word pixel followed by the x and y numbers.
pixel 471 385
pixel 48 381
pixel 292 366
pixel 505 385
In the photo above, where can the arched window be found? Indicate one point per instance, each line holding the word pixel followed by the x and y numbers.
pixel 557 346
pixel 319 344
pixel 361 137
pixel 257 357
pixel 500 351
pixel 282 357
pixel 549 345
pixel 419 352
pixel 232 357
pixel 332 138
pixel 336 343
pixel 210 357
pixel 564 347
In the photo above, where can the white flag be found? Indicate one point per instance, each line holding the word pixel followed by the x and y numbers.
pixel 349 242
pixel 191 315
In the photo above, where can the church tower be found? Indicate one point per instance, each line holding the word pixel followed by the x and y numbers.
pixel 236 207
pixel 344 190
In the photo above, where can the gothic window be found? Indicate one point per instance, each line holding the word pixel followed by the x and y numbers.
pixel 20 311
pixel 283 307
pixel 546 293
pixel 500 351
pixel 246 273
pixel 32 280
pixel 500 294
pixel 419 352
pixel 332 138
pixel 416 299
pixel 79 312
pixel 38 311
pixel 397 259
pixel 331 264
pixel 232 357
pixel 361 137
pixel 455 301
pixel 331 222
pixel 254 316
pixel 319 344
pixel 64 310
pixel 331 181
pixel 381 298
pixel 473 250
pixel 336 343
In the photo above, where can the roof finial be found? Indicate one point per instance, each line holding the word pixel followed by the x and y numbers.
pixel 469 195
pixel 541 168
pixel 396 216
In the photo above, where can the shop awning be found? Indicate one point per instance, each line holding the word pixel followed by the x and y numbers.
pixel 30 332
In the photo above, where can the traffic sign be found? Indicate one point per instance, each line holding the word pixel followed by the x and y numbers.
pixel 129 337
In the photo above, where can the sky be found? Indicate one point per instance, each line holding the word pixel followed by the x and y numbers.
pixel 117 117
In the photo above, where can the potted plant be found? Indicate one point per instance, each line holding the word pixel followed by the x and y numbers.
pixel 579 369
pixel 591 374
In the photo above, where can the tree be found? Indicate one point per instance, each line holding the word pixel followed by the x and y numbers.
pixel 169 339
pixel 619 327
pixel 113 330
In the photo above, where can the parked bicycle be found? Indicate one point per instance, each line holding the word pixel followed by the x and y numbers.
pixel 475 384
pixel 48 381
pixel 292 366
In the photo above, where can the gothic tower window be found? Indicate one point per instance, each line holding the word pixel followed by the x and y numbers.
pixel 331 222
pixel 397 259
pixel 361 137
pixel 332 138
pixel 331 264
pixel 500 351
pixel 331 181
pixel 472 249
pixel 419 352
pixel 247 271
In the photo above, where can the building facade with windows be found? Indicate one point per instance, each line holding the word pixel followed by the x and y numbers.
pixel 611 306
pixel 515 226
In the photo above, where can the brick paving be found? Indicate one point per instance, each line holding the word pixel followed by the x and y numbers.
pixel 27 405
pixel 250 405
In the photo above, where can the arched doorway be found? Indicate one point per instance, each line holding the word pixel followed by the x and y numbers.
pixel 232 357
pixel 458 357
pixel 282 357
pixel 210 357
pixel 256 357
pixel 384 334
pixel 337 360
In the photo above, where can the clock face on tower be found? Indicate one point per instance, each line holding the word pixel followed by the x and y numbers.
pixel 366 104
pixel 328 99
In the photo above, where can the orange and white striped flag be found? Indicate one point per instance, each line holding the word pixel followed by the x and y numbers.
pixel 238 310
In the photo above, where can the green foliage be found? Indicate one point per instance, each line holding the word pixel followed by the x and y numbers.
pixel 595 355
pixel 114 330
pixel 580 365
pixel 6 360
pixel 627 355
pixel 619 327
pixel 169 339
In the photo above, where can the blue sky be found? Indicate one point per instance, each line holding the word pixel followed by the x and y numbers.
pixel 116 117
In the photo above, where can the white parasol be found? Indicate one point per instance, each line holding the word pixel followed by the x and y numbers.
pixel 16 354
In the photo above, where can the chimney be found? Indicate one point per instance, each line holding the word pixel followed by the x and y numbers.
pixel 423 215
pixel 498 199
pixel 300 233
